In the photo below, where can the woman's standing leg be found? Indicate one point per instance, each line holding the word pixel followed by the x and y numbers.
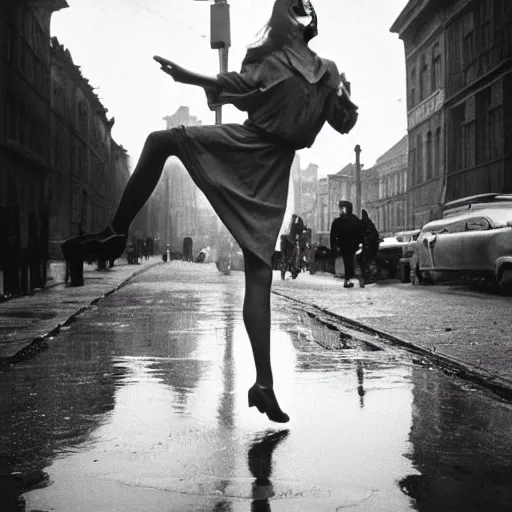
pixel 256 313
pixel 258 281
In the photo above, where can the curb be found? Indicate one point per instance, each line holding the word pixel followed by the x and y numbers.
pixel 41 342
pixel 446 363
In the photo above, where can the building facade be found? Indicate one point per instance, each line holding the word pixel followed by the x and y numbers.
pixel 88 168
pixel 421 27
pixel 459 68
pixel 384 189
pixel 58 175
pixel 25 143
pixel 478 97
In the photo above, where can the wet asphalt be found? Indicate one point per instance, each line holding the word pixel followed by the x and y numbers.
pixel 140 404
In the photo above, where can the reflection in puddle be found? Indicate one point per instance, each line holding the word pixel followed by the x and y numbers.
pixel 142 409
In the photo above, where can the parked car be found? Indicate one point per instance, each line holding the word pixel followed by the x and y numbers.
pixel 408 240
pixel 472 241
pixel 388 256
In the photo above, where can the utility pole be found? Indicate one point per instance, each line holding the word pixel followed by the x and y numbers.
pixel 357 149
pixel 220 39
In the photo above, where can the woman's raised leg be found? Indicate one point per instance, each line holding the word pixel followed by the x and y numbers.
pixel 110 243
pixel 159 146
pixel 256 313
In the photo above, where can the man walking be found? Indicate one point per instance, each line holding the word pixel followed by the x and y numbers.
pixel 347 232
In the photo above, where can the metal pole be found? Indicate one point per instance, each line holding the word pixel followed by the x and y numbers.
pixel 357 149
pixel 223 67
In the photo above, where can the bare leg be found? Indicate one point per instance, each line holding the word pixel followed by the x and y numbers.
pixel 258 280
pixel 158 148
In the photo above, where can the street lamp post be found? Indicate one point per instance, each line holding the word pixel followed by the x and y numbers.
pixel 220 38
pixel 357 149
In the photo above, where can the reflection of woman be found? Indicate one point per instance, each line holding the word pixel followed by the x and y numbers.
pixel 289 93
pixel 260 465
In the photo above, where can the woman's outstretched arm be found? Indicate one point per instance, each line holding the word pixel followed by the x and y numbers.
pixel 182 75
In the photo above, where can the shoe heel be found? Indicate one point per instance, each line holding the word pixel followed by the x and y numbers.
pixel 76 272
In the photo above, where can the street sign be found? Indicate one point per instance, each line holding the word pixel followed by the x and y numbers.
pixel 220 28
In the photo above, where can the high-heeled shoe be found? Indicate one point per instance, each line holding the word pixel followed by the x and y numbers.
pixel 264 399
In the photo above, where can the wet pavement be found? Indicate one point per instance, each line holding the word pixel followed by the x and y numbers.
pixel 141 404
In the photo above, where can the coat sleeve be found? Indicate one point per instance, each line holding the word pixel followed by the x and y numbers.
pixel 340 115
pixel 334 236
pixel 245 90
pixel 340 112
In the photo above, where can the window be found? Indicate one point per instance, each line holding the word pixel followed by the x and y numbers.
pixel 496 128
pixel 468 47
pixel 437 152
pixel 429 157
pixel 486 35
pixel 469 134
pixel 12 44
pixel 412 88
pixel 436 67
pixel 424 86
pixel 13 117
pixel 419 162
pixel 412 165
pixel 478 224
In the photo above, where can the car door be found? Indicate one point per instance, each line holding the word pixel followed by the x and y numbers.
pixel 477 245
pixel 446 246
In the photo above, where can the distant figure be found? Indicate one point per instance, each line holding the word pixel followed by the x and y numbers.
pixel 347 233
pixel 296 227
pixel 371 241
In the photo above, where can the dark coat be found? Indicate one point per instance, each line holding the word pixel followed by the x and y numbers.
pixel 347 232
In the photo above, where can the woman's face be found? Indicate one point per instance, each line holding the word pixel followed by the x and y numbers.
pixel 303 12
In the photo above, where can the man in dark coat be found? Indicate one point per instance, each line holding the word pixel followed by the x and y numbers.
pixel 347 232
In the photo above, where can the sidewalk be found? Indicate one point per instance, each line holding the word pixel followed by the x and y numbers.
pixel 26 322
pixel 466 330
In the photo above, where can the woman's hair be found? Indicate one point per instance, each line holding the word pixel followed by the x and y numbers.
pixel 279 30
pixel 364 214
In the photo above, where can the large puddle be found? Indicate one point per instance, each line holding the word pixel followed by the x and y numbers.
pixel 142 405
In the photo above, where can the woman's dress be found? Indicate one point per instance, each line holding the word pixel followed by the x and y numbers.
pixel 244 170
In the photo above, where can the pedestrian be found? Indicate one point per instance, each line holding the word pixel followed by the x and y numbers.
pixel 371 241
pixel 288 92
pixel 347 233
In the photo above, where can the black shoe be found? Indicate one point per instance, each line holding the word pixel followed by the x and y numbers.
pixel 266 402
pixel 106 245
pixel 348 284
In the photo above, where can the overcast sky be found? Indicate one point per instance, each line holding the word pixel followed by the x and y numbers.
pixel 114 41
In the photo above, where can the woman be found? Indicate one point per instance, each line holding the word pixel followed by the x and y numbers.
pixel 289 93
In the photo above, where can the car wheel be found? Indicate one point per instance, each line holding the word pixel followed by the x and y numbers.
pixel 425 278
pixel 505 279
pixel 405 272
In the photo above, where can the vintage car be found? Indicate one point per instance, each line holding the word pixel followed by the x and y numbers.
pixel 408 240
pixel 388 256
pixel 472 241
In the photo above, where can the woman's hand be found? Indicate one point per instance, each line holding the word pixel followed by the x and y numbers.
pixel 343 87
pixel 178 73
pixel 185 76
